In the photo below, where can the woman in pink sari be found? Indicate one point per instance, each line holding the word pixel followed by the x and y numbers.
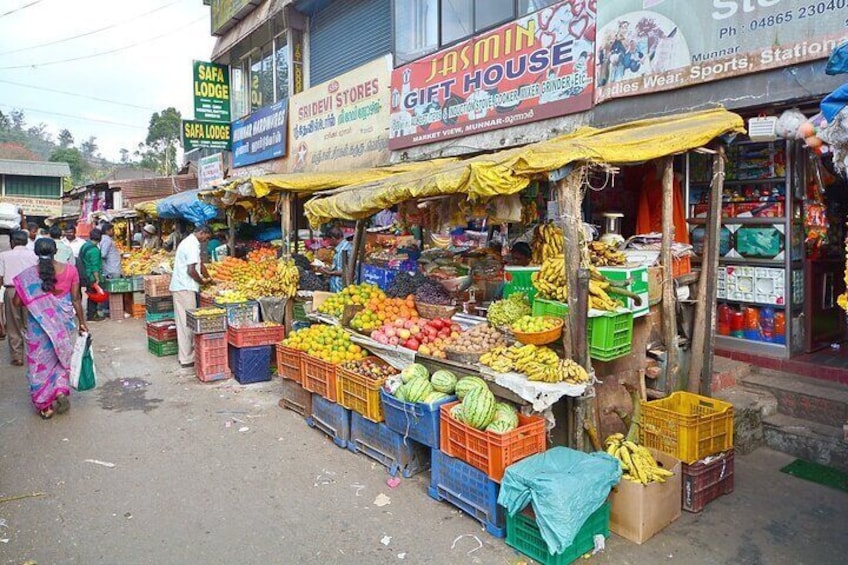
pixel 50 292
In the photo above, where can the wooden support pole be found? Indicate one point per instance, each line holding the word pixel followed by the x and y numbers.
pixel 712 239
pixel 669 312
pixel 358 243
pixel 286 221
pixel 571 222
pixel 231 235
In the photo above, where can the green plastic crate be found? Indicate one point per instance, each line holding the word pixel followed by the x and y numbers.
pixel 523 534
pixel 115 286
pixel 137 284
pixel 158 317
pixel 161 348
pixel 519 279
pixel 610 336
pixel 638 277
pixel 544 307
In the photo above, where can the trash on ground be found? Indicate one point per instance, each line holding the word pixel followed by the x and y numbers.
pixel 479 543
pixel 102 463
pixel 244 429
pixel 358 488
pixel 393 482
pixel 382 500
pixel 21 497
pixel 386 540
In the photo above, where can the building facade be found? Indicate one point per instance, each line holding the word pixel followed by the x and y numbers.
pixel 35 186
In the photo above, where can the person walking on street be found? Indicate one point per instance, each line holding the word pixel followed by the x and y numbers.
pixel 110 253
pixel 71 240
pixel 189 273
pixel 32 229
pixel 63 250
pixel 13 263
pixel 92 263
pixel 50 292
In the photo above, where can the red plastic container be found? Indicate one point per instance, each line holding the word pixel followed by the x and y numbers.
pixel 725 314
pixel 164 330
pixel 210 357
pixel 490 452
pixel 703 483
pixel 255 336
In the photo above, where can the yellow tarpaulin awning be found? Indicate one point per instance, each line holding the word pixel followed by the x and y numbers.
pixel 510 171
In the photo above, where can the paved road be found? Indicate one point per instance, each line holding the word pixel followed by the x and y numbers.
pixel 190 486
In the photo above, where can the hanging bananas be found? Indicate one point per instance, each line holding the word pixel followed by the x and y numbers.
pixel 637 463
pixel 550 280
pixel 289 277
pixel 547 242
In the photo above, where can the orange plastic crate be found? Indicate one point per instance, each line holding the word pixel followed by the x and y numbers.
pixel 156 286
pixel 687 426
pixel 359 393
pixel 490 452
pixel 288 363
pixel 318 376
pixel 254 336
pixel 138 311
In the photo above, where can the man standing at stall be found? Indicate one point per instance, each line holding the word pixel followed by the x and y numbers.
pixel 189 274
pixel 72 241
pixel 12 263
pixel 341 256
pixel 110 253
pixel 92 268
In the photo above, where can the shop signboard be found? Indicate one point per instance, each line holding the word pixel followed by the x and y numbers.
pixel 261 136
pixel 208 135
pixel 211 92
pixel 646 46
pixel 531 69
pixel 344 123
pixel 223 11
pixel 47 207
pixel 210 171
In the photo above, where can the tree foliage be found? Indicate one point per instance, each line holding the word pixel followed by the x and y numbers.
pixel 75 160
pixel 163 135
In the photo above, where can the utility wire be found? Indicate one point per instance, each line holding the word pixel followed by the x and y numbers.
pixel 101 53
pixel 36 110
pixel 106 100
pixel 92 32
pixel 19 8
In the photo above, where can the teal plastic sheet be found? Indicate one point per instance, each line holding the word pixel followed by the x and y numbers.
pixel 186 205
pixel 565 487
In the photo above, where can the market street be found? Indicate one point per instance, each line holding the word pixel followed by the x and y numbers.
pixel 220 474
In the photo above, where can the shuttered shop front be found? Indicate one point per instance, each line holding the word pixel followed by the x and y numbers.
pixel 347 34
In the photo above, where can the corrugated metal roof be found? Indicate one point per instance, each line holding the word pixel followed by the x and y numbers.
pixel 138 190
pixel 34 168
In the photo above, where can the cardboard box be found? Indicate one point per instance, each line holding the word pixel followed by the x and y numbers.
pixel 640 511
pixel 638 284
pixel 655 278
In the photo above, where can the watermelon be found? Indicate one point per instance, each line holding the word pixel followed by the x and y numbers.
pixel 417 389
pixel 400 393
pixel 434 397
pixel 443 381
pixel 507 413
pixel 500 427
pixel 457 414
pixel 414 370
pixel 479 407
pixel 467 383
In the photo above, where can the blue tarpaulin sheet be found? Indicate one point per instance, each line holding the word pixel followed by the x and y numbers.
pixel 565 487
pixel 186 206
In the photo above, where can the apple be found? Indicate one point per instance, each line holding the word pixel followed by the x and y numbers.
pixel 424 349
pixel 390 332
pixel 454 334
pixel 432 332
pixel 437 323
pixel 398 323
pixel 415 329
pixel 408 324
pixel 404 334
pixel 393 341
pixel 412 344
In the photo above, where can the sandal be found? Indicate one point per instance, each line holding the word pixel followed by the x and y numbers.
pixel 46 414
pixel 62 403
pixel 17 363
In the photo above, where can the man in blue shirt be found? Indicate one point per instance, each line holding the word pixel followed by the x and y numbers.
pixel 110 253
pixel 341 257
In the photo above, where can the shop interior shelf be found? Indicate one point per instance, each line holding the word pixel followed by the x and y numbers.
pixel 754 221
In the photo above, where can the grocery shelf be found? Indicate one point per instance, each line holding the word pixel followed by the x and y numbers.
pixel 754 221
pixel 751 303
pixel 751 346
pixel 741 182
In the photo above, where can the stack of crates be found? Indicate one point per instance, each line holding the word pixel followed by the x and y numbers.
pixel 211 362
pixel 120 297
pixel 698 430
pixel 160 342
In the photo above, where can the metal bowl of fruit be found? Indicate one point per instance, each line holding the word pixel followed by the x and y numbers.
pixel 537 330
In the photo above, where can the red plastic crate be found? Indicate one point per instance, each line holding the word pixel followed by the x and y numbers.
pixel 704 482
pixel 211 359
pixel 490 452
pixel 288 363
pixel 254 336
pixel 165 330
pixel 318 376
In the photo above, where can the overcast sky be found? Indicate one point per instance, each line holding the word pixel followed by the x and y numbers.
pixel 154 74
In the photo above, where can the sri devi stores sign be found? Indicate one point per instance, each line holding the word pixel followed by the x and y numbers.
pixel 531 69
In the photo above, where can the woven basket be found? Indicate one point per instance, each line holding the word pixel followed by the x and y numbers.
pixel 465 358
pixel 541 338
pixel 432 311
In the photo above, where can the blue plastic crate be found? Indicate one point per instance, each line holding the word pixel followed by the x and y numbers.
pixel 419 422
pixel 251 364
pixel 468 489
pixel 330 418
pixel 391 449
pixel 383 277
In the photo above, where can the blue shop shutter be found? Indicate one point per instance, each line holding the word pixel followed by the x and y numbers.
pixel 347 34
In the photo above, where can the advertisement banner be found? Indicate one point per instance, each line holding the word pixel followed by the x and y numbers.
pixel 209 135
pixel 646 46
pixel 36 206
pixel 531 69
pixel 225 10
pixel 343 123
pixel 260 136
pixel 211 92
pixel 210 171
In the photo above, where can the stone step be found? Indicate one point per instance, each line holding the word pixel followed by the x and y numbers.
pixel 728 372
pixel 749 410
pixel 807 440
pixel 809 399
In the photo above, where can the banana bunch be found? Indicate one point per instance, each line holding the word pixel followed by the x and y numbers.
pixel 599 298
pixel 547 242
pixel 289 277
pixel 603 255
pixel 550 279
pixel 573 373
pixel 636 461
pixel 522 358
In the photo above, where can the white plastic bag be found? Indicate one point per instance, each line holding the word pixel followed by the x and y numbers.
pixel 82 349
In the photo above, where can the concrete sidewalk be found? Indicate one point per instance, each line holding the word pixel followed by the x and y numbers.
pixel 218 473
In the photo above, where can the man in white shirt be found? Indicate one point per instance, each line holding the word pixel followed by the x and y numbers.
pixel 189 273
pixel 32 229
pixel 13 263
pixel 63 250
pixel 72 241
